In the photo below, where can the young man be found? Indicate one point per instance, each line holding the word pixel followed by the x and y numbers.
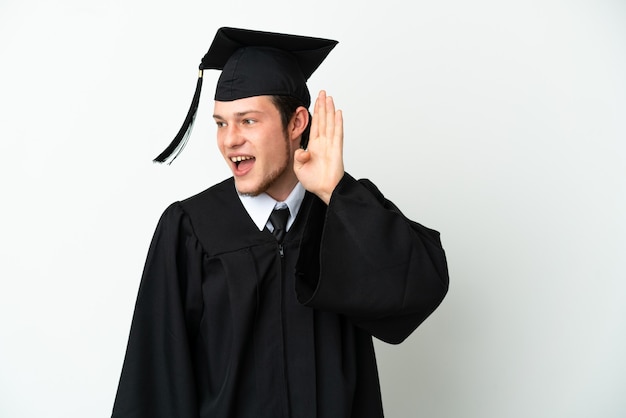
pixel 240 314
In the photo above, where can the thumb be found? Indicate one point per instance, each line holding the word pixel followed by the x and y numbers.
pixel 301 156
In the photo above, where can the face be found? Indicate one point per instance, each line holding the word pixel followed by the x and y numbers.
pixel 257 149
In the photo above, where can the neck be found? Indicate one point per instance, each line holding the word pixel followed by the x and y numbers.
pixel 281 190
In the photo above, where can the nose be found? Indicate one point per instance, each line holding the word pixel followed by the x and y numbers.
pixel 231 136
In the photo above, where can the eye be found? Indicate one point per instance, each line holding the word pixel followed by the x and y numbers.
pixel 248 121
pixel 220 124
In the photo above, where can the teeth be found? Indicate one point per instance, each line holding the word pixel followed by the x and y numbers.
pixel 240 158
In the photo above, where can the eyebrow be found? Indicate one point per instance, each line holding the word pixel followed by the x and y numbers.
pixel 238 114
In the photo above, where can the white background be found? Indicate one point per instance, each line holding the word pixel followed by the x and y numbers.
pixel 500 124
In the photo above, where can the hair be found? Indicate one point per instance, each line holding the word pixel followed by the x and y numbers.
pixel 287 106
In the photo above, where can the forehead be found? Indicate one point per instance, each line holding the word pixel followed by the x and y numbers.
pixel 255 104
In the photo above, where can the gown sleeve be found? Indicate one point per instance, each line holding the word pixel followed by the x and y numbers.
pixel 157 378
pixel 362 258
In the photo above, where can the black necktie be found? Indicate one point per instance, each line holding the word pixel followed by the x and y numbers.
pixel 278 218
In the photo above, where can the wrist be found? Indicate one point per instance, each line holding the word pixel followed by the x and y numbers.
pixel 326 194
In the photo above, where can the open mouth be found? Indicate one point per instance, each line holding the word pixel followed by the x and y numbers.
pixel 240 158
pixel 243 163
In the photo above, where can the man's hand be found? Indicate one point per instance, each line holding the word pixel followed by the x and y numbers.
pixel 320 167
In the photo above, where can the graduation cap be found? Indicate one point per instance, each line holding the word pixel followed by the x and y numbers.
pixel 254 63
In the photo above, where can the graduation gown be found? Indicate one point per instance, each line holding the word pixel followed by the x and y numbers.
pixel 228 324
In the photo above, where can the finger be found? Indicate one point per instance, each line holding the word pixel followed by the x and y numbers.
pixel 330 117
pixel 339 127
pixel 321 114
pixel 314 122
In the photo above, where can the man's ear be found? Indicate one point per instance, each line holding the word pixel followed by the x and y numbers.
pixel 299 122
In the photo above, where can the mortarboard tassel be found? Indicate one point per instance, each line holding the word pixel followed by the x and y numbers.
pixel 180 140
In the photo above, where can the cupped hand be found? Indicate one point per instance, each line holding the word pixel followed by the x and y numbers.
pixel 320 167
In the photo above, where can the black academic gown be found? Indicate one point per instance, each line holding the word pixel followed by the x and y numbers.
pixel 226 326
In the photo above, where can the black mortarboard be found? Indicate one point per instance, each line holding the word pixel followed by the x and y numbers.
pixel 255 63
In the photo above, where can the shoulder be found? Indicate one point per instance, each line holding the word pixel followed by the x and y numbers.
pixel 213 196
pixel 199 203
pixel 197 214
pixel 218 219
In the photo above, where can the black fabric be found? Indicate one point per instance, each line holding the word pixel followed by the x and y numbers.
pixel 224 326
pixel 254 63
pixel 308 51
pixel 279 218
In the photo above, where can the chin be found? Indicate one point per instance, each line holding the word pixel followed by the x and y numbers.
pixel 249 194
pixel 256 186
pixel 244 192
pixel 248 190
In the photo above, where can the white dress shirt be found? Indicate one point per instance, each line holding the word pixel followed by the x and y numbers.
pixel 260 207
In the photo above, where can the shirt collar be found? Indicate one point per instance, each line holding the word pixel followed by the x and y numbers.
pixel 260 207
